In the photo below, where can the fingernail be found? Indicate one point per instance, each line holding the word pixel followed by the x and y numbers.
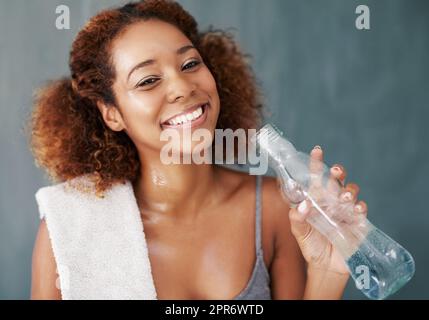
pixel 317 147
pixel 337 169
pixel 302 207
pixel 358 207
pixel 347 196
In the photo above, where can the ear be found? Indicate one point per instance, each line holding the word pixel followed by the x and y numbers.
pixel 111 116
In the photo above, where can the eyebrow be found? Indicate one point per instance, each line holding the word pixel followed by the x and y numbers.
pixel 145 63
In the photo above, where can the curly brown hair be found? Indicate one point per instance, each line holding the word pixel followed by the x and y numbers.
pixel 68 135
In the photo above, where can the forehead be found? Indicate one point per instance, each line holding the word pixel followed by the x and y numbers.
pixel 145 40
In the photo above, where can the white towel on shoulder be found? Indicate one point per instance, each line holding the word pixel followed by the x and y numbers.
pixel 98 243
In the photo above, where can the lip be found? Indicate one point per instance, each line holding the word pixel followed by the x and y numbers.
pixel 193 123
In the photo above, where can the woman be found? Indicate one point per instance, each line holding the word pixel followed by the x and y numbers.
pixel 212 233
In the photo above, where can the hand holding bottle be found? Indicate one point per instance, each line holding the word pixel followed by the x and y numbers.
pixel 317 250
pixel 334 226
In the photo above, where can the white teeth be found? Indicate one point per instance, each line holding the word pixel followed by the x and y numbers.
pixel 187 117
pixel 198 112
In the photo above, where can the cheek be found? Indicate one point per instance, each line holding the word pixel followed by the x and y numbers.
pixel 143 107
pixel 209 82
pixel 209 85
pixel 141 114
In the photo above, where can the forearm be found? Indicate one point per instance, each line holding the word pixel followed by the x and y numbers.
pixel 324 284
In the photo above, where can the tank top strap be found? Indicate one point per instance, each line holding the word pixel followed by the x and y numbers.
pixel 258 220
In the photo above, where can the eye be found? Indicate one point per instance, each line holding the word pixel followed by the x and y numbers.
pixel 191 65
pixel 147 82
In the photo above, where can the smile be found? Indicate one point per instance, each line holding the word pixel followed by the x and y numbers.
pixel 195 116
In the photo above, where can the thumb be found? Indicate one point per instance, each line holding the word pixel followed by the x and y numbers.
pixel 297 215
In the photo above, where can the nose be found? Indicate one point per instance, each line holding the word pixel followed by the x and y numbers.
pixel 180 87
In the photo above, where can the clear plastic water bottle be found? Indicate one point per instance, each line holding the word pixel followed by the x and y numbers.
pixel 378 264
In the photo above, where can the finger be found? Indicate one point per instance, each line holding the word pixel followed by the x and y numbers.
pixel 361 208
pixel 297 216
pixel 334 185
pixel 349 193
pixel 316 167
pixel 339 172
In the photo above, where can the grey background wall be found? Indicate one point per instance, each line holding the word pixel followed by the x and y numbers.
pixel 362 95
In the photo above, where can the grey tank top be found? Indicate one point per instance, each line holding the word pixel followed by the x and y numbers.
pixel 258 287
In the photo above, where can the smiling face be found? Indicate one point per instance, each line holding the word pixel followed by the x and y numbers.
pixel 161 82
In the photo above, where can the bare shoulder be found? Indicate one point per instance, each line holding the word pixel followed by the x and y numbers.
pixel 275 208
pixel 43 274
pixel 287 268
pixel 281 251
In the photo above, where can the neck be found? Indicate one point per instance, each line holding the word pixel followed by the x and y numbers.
pixel 177 191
